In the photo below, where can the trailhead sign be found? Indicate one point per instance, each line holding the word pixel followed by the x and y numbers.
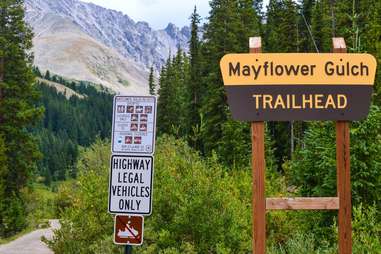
pixel 128 230
pixel 134 121
pixel 298 86
pixel 130 187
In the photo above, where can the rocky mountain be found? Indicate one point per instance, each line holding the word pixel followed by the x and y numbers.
pixel 87 42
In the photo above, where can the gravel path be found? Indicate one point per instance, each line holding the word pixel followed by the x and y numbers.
pixel 31 243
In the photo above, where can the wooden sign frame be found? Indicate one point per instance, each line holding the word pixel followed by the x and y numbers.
pixel 342 202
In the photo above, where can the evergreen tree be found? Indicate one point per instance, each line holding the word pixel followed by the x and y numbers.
pixel 69 122
pixel 313 167
pixel 231 23
pixel 282 35
pixel 322 25
pixel 151 82
pixel 17 112
pixel 163 105
pixel 173 101
pixel 47 75
pixel 282 27
pixel 306 43
pixel 195 88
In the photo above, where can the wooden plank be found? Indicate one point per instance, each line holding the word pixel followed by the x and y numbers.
pixel 258 168
pixel 329 203
pixel 343 173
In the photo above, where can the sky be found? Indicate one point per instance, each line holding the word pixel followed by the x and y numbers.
pixel 158 13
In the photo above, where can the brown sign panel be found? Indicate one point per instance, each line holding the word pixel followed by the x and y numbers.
pixel 128 230
pixel 284 87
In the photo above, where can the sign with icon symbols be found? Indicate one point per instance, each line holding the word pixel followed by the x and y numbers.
pixel 134 121
pixel 128 230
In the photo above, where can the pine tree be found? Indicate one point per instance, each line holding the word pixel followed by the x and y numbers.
pixel 47 75
pixel 173 103
pixel 195 88
pixel 151 82
pixel 163 106
pixel 17 112
pixel 322 26
pixel 231 23
pixel 305 18
pixel 282 35
pixel 282 27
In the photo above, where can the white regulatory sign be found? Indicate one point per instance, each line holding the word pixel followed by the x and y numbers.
pixel 130 188
pixel 134 124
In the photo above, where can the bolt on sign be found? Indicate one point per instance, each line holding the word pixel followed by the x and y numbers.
pixel 134 121
pixel 128 230
pixel 130 187
pixel 298 86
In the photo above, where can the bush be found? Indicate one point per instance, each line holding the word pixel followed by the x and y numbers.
pixel 13 217
pixel 85 222
pixel 313 167
pixel 40 204
pixel 366 230
pixel 198 205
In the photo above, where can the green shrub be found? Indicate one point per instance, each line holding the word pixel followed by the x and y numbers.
pixel 198 205
pixel 84 220
pixel 366 230
pixel 40 204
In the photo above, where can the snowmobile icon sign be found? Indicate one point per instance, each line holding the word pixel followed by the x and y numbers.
pixel 128 230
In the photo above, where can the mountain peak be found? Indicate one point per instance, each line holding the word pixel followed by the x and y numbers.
pixel 172 30
pixel 106 31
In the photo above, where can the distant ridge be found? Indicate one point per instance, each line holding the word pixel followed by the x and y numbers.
pixel 84 41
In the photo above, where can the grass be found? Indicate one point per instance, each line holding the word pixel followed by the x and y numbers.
pixel 40 206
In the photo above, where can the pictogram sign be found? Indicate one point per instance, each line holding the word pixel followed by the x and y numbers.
pixel 128 230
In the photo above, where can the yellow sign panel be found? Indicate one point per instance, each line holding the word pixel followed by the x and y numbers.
pixel 298 69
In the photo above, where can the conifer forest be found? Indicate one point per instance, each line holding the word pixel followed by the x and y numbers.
pixel 55 140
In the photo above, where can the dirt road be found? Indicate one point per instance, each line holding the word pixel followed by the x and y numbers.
pixel 31 243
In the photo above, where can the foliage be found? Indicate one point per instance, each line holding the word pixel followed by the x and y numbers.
pixel 230 25
pixel 317 177
pixel 366 230
pixel 17 113
pixel 40 204
pixel 69 123
pixel 194 89
pixel 198 207
pixel 173 97
pixel 151 82
pixel 86 222
pixel 194 201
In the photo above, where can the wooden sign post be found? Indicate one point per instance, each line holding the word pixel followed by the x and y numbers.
pixel 343 202
pixel 258 165
pixel 299 86
pixel 343 172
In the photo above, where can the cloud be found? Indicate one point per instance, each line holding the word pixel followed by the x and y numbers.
pixel 149 2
